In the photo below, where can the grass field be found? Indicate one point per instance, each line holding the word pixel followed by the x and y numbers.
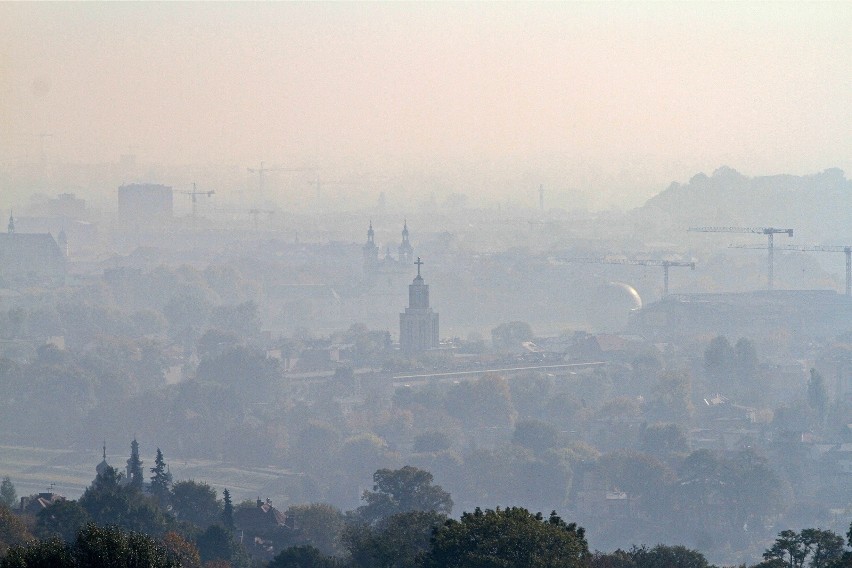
pixel 69 472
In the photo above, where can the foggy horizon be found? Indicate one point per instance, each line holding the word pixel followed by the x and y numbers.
pixel 490 259
pixel 614 101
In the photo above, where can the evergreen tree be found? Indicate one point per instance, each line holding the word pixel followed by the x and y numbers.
pixel 8 496
pixel 817 396
pixel 161 481
pixel 134 466
pixel 227 511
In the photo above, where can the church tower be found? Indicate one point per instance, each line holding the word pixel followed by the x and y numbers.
pixel 418 325
pixel 406 251
pixel 371 252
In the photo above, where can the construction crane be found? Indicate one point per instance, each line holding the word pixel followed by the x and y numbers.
pixel 319 183
pixel 263 170
pixel 768 231
pixel 816 248
pixel 666 264
pixel 194 196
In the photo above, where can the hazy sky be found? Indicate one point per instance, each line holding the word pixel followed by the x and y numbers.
pixel 614 93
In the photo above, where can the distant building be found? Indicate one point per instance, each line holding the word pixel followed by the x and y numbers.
pixel 387 265
pixel 371 252
pixel 418 325
pixel 406 251
pixel 34 504
pixel 145 202
pixel 28 259
pixel 67 205
pixel 800 313
pixel 259 519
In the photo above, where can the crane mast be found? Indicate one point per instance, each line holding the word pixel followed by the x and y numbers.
pixel 770 232
pixel 261 171
pixel 847 250
pixel 194 196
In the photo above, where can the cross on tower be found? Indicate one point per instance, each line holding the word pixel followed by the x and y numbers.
pixel 418 263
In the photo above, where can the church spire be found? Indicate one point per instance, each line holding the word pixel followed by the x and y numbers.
pixel 406 251
pixel 11 223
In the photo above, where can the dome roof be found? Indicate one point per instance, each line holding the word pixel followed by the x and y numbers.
pixel 627 292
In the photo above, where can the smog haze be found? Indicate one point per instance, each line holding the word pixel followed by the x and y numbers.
pixel 611 98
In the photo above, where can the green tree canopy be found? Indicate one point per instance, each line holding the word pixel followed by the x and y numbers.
pixel 63 519
pixel 814 548
pixel 302 557
pixel 507 538
pixel 161 480
pixel 8 496
pixel 398 541
pixel 134 467
pixel 195 502
pixel 12 529
pixel 101 547
pixel 536 435
pixel 110 502
pixel 401 490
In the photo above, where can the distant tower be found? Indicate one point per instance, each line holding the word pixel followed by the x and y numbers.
pixel 406 251
pixel 11 223
pixel 102 467
pixel 418 326
pixel 371 252
pixel 63 242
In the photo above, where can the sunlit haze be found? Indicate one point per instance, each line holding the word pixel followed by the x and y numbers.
pixel 611 99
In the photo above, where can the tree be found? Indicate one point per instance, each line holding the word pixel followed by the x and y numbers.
pixel 746 360
pixel 112 547
pixel 817 396
pixel 134 467
pixel 109 502
pixel 216 543
pixel 787 548
pixel 302 557
pixel 182 550
pixel 720 360
pixel 8 496
pixel 51 553
pixel 401 490
pixel 535 435
pixel 664 440
pixel 508 336
pixel 485 402
pixel 672 397
pixel 63 519
pixel 161 481
pixel 227 510
pixel 395 542
pixel 824 547
pixel 195 502
pixel 12 530
pixel 318 525
pixel 662 556
pixel 505 538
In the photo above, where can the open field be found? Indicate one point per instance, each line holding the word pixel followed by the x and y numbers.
pixel 69 472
